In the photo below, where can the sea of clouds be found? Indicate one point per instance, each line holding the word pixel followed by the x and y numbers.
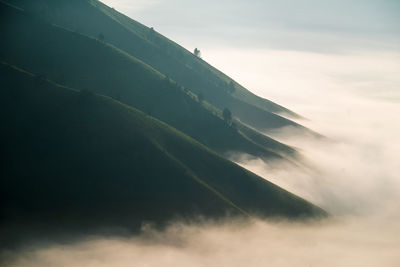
pixel 353 173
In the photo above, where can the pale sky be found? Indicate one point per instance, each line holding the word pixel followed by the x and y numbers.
pixel 287 50
pixel 305 25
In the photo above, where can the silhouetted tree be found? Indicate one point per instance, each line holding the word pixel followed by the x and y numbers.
pixel 149 110
pixel 117 96
pixel 200 96
pixel 197 52
pixel 101 37
pixel 231 87
pixel 86 94
pixel 227 114
pixel 166 82
pixel 61 79
pixel 151 34
pixel 40 80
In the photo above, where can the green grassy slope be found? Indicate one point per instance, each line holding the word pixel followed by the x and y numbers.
pixel 72 157
pixel 92 18
pixel 86 63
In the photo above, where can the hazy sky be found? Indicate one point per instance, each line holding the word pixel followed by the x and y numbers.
pixel 301 25
pixel 279 48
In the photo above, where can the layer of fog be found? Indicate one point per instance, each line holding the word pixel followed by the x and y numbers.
pixel 257 243
pixel 354 175
pixel 354 100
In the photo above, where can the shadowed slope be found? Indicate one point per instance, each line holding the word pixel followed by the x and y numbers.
pixel 86 63
pixel 93 18
pixel 76 158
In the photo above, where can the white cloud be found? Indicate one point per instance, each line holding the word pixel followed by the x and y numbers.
pixel 356 178
pixel 335 243
pixel 357 171
pixel 353 99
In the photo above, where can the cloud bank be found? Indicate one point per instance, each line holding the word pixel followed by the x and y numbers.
pixel 303 25
pixel 351 97
pixel 354 175
pixel 334 243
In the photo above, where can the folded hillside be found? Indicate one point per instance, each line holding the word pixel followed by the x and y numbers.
pixel 86 63
pixel 92 18
pixel 74 158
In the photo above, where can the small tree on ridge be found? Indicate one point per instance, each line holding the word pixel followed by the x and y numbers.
pixel 197 52
pixel 227 114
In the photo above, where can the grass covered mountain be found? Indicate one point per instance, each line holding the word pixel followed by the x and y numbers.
pixel 83 62
pixel 93 18
pixel 75 158
pixel 95 133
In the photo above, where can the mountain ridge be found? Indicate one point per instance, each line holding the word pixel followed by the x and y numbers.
pixel 110 74
pixel 69 135
pixel 95 137
pixel 164 55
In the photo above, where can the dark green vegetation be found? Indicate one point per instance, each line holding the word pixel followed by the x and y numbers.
pixel 76 158
pixel 82 62
pixel 95 133
pixel 91 17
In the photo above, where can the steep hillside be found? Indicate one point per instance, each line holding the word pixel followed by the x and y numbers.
pixel 86 63
pixel 93 18
pixel 76 159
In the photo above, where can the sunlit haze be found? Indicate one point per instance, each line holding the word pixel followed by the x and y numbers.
pixel 337 64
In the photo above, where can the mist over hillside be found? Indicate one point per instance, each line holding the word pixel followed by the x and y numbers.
pixel 99 135
pixel 361 189
pixel 333 67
